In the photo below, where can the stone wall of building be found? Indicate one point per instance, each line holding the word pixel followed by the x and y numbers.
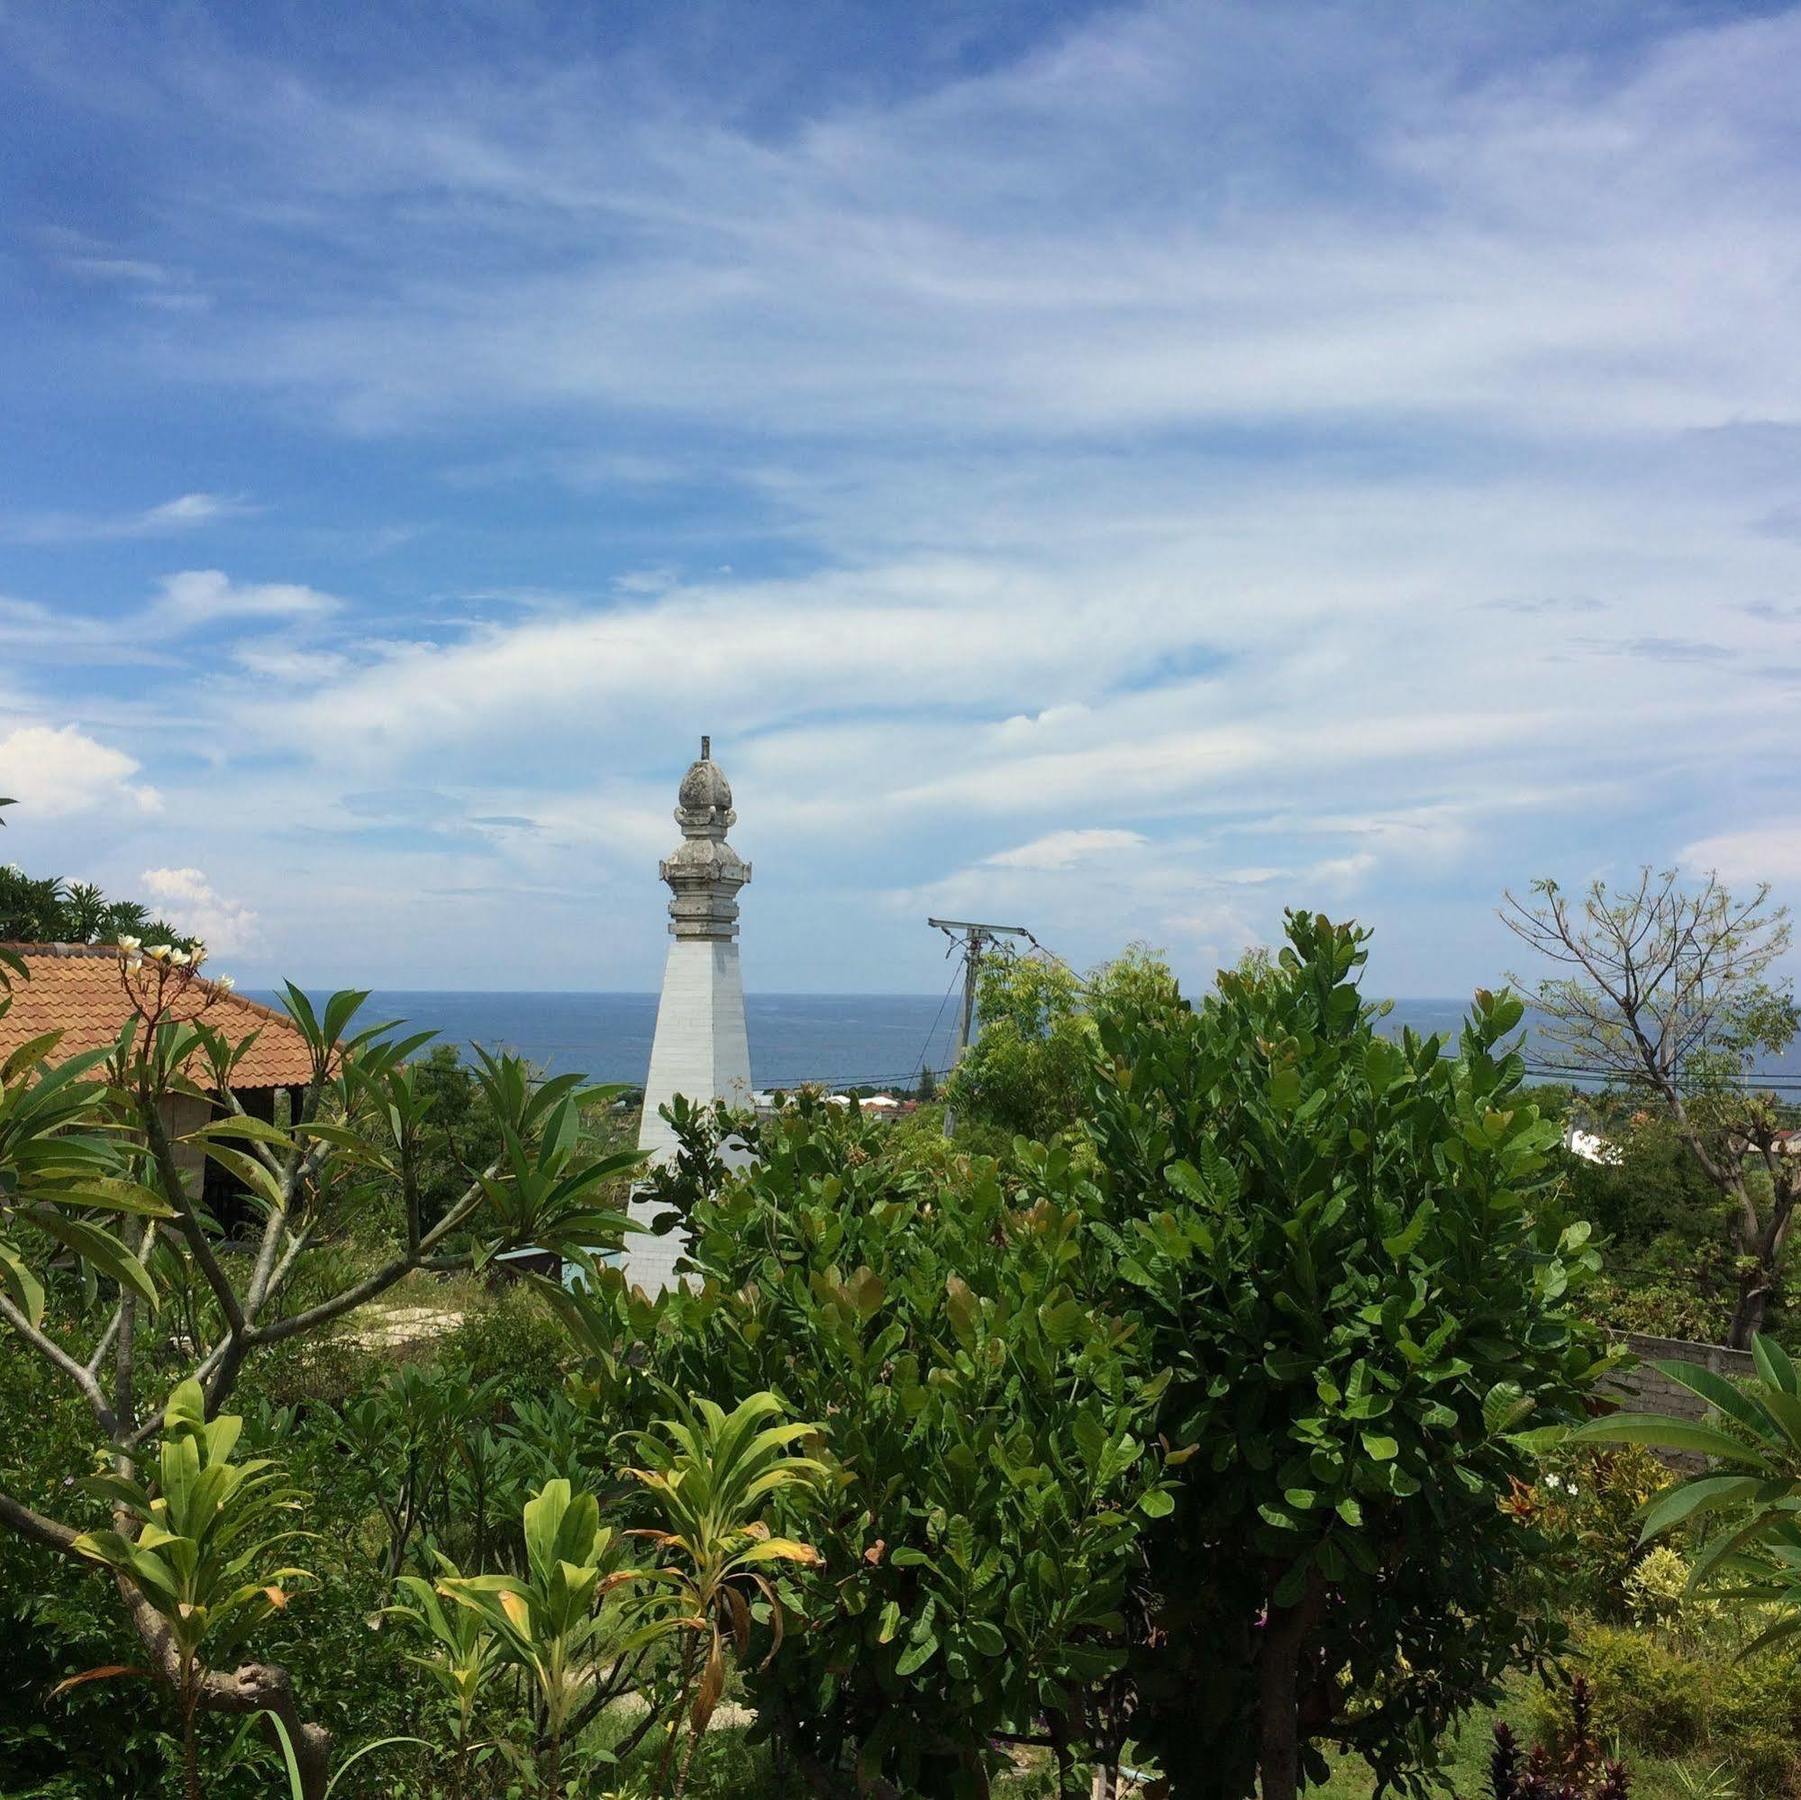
pixel 1645 1389
pixel 183 1113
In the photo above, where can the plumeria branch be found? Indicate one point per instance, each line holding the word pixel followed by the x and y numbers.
pixel 352 1297
pixel 106 1339
pixel 53 1353
pixel 35 1528
pixel 176 1193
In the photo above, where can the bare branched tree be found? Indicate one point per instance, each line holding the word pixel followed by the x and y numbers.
pixel 1667 992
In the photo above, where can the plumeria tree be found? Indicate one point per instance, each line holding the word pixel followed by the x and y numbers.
pixel 99 1219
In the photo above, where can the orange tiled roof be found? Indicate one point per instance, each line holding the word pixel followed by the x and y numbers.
pixel 75 989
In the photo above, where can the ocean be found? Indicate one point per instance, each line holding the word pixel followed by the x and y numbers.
pixel 837 1040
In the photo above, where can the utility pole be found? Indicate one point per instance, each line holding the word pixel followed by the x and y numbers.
pixel 974 938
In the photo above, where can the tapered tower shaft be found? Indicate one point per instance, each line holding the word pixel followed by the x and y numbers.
pixel 701 1049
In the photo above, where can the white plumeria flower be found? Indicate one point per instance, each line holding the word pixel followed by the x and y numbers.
pixel 130 946
pixel 160 952
pixel 198 953
pixel 179 958
pixel 225 984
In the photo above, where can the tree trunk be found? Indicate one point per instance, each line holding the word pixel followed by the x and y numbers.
pixel 1749 1309
pixel 262 1688
pixel 1762 1250
pixel 190 1738
pixel 1758 1288
pixel 1285 1632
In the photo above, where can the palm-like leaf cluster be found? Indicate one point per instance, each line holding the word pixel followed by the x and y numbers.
pixel 462 1649
pixel 554 1622
pixel 45 909
pixel 712 1480
pixel 549 1189
pixel 1750 1490
pixel 200 1551
pixel 461 1653
pixel 581 1618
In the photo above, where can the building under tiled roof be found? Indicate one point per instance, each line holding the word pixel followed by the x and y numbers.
pixel 76 989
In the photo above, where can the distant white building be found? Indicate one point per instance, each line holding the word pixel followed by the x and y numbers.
pixel 1591 1146
pixel 701 1049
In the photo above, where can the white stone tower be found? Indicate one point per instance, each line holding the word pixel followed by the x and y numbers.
pixel 701 1049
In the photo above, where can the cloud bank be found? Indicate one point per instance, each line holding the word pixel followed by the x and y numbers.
pixel 1173 462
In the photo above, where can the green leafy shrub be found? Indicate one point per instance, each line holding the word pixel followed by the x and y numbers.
pixel 1662 1698
pixel 1028 1072
pixel 1677 1283
pixel 1646 1693
pixel 307 1372
pixel 512 1339
pixel 990 1442
pixel 1348 1253
pixel 1660 1598
pixel 1754 1720
pixel 56 1619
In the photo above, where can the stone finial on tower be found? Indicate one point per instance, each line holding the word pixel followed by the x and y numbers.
pixel 705 872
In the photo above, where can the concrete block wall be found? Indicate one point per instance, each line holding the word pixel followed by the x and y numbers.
pixel 1645 1389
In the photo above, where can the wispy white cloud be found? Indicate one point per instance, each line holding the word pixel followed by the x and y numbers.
pixel 96 262
pixel 1769 850
pixel 1076 242
pixel 187 512
pixel 1063 849
pixel 288 666
pixel 196 597
pixel 190 509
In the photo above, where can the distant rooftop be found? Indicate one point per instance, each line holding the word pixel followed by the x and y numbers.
pixel 77 989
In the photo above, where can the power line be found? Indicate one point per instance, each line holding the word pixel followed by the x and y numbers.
pixel 1062 961
pixel 925 1049
pixel 896 1079
pixel 1757 1083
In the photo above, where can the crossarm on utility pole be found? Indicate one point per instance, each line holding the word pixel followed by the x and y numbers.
pixel 973 937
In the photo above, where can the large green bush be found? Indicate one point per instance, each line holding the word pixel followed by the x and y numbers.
pixel 1197 1435
pixel 1028 1073
pixel 1348 1254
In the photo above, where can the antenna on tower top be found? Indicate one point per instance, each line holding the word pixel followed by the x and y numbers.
pixel 706 749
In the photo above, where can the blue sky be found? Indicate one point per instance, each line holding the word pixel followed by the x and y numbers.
pixel 1123 469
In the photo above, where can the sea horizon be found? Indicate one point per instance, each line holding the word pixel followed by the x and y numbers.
pixel 834 1040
